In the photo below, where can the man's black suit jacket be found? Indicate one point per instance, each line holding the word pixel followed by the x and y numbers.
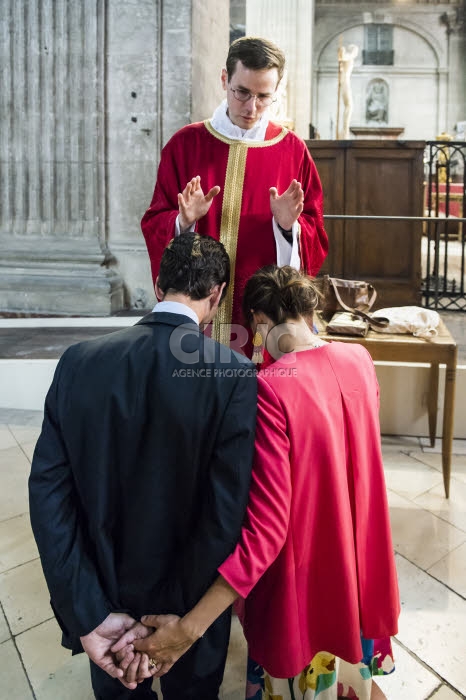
pixel 140 477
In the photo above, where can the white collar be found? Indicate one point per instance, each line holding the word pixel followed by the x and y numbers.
pixel 176 307
pixel 222 123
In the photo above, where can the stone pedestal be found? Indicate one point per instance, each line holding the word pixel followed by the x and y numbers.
pixel 43 275
pixel 377 132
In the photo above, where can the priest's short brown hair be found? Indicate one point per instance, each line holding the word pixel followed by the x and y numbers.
pixel 255 53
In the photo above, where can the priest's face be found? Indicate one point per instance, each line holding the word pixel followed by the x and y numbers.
pixel 249 94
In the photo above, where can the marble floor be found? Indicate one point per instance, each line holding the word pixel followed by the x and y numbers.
pixel 430 540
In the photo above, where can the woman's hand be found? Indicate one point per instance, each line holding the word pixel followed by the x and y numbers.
pixel 171 639
pixel 173 635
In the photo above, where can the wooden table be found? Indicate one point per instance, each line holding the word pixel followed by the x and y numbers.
pixel 436 351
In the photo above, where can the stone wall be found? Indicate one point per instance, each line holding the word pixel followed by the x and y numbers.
pixel 162 74
pixel 134 125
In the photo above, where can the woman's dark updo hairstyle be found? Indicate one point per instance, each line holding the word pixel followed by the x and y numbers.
pixel 281 293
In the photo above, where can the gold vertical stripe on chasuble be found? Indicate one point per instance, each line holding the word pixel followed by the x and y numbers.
pixel 231 213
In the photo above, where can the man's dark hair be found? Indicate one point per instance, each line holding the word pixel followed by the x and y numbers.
pixel 193 265
pixel 256 54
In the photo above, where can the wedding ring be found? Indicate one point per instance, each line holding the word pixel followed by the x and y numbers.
pixel 152 663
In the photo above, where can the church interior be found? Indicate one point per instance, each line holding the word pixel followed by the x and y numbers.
pixel 377 90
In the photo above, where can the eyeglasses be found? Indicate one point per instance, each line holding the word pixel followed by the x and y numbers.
pixel 261 100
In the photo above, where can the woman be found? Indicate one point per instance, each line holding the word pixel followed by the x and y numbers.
pixel 315 561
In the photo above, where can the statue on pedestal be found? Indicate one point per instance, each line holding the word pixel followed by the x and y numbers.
pixel 346 56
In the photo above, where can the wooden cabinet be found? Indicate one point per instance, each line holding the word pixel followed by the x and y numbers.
pixel 375 178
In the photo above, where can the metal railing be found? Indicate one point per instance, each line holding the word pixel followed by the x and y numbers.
pixel 439 290
pixel 444 240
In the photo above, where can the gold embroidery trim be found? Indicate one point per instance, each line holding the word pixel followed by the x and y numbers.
pixel 229 225
pixel 248 142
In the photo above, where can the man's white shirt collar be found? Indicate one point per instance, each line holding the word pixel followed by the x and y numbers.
pixel 222 123
pixel 176 307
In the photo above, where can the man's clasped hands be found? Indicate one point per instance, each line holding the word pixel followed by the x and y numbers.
pixel 133 651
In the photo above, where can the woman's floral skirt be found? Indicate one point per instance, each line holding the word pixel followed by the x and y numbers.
pixel 327 677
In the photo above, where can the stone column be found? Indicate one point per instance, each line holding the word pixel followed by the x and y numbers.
pixel 290 25
pixel 210 40
pixel 91 91
pixel 195 41
pixel 55 257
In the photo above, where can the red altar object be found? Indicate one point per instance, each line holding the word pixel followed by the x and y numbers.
pixel 455 192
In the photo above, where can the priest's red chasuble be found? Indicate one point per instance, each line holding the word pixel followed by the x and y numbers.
pixel 240 215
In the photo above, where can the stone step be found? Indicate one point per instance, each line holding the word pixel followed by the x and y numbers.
pixel 23 340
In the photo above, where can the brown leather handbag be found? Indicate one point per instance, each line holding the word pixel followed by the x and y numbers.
pixel 354 296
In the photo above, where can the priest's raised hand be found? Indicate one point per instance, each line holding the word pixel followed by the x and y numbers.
pixel 193 204
pixel 287 207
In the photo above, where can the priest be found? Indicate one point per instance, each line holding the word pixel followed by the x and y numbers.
pixel 243 179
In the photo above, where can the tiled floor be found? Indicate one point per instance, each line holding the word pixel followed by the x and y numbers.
pixel 430 539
